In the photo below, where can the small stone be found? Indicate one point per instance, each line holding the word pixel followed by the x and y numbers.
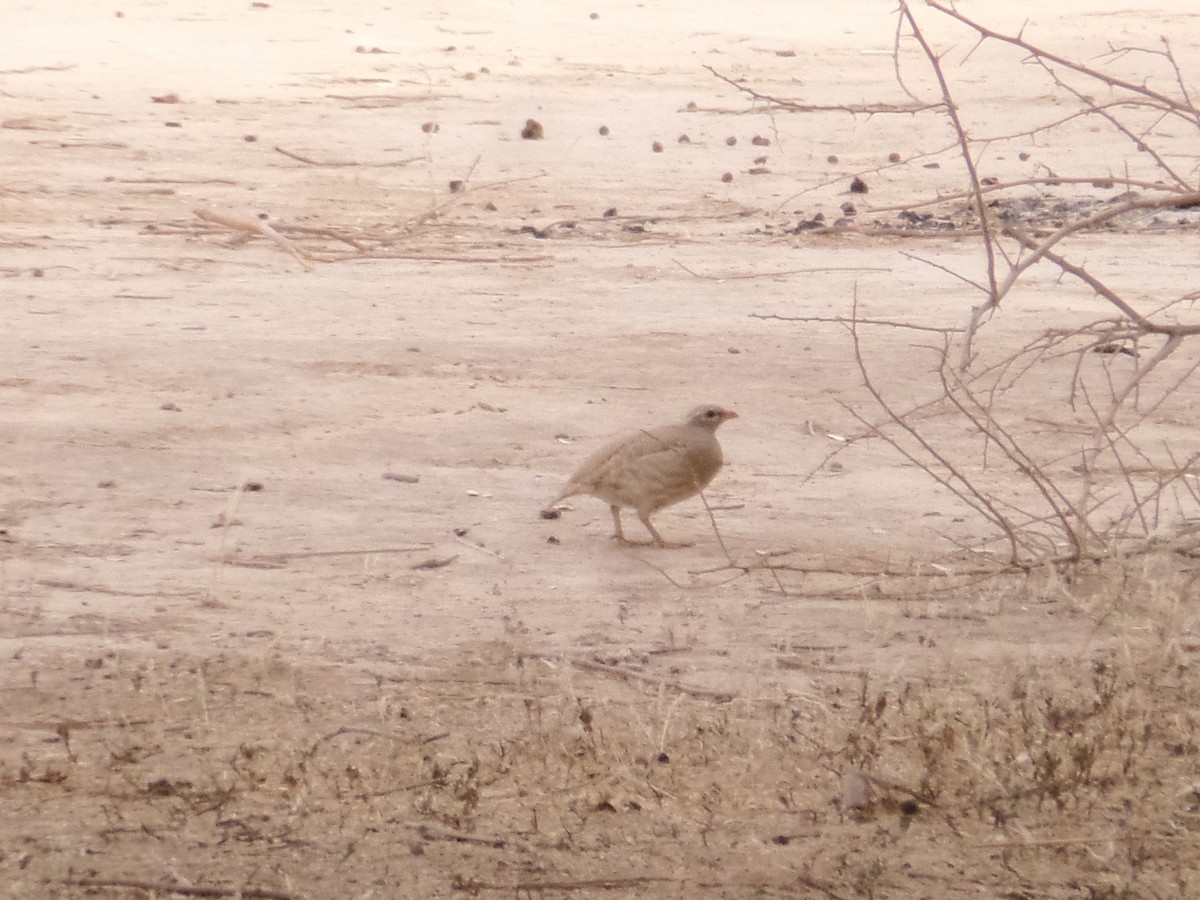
pixel 430 127
pixel 657 147
pixel 858 186
pixel 893 157
pixel 533 130
pixel 759 141
pixel 831 159
pixel 731 142
pixel 603 131
pixel 727 177
pixel 684 139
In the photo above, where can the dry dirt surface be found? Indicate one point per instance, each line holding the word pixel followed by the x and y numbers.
pixel 279 616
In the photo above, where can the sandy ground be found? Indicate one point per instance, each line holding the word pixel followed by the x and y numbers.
pixel 217 462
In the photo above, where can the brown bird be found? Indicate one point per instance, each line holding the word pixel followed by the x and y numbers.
pixel 653 468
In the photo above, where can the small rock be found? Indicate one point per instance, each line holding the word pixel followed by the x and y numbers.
pixel 533 130
pixel 657 147
pixel 858 186
pixel 727 177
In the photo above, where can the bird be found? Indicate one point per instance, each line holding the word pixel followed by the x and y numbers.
pixel 653 468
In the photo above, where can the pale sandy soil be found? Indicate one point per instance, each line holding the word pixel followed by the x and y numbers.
pixel 151 366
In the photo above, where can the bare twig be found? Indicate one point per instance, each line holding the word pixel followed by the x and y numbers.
pixel 162 887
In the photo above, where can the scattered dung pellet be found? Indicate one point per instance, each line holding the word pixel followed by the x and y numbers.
pixel 610 212
pixel 831 159
pixel 684 139
pixel 760 160
pixel 858 186
pixel 491 207
pixel 456 186
pixel 1023 156
pixel 533 130
pixel 691 107
pixel 249 138
pixel 849 209
pixel 657 147
pixel 786 54
pixel 603 131
pixel 594 16
pixel 173 124
pixel 933 165
pixel 166 98
pixel 893 157
pixel 484 70
pixel 727 177
pixel 551 513
pixel 760 170
pixel 430 127
pixel 731 142
pixel 469 76
pixel 759 141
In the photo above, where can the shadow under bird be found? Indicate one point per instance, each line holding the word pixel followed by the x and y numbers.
pixel 653 468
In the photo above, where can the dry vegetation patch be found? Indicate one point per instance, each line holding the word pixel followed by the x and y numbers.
pixel 522 774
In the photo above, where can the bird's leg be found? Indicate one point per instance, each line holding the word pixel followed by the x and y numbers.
pixel 658 538
pixel 618 530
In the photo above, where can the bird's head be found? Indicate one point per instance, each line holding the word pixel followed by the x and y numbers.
pixel 710 416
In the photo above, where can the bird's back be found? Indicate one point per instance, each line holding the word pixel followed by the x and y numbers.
pixel 650 469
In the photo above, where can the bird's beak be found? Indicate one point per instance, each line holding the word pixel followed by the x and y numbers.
pixel 730 414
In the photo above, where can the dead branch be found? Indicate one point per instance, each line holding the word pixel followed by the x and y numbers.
pixel 1098 181
pixel 870 109
pixel 978 313
pixel 340 164
pixel 843 320
pixel 1182 107
pixel 739 276
pixel 1042 250
pixel 161 887
pixel 532 888
pixel 255 227
pixel 591 665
